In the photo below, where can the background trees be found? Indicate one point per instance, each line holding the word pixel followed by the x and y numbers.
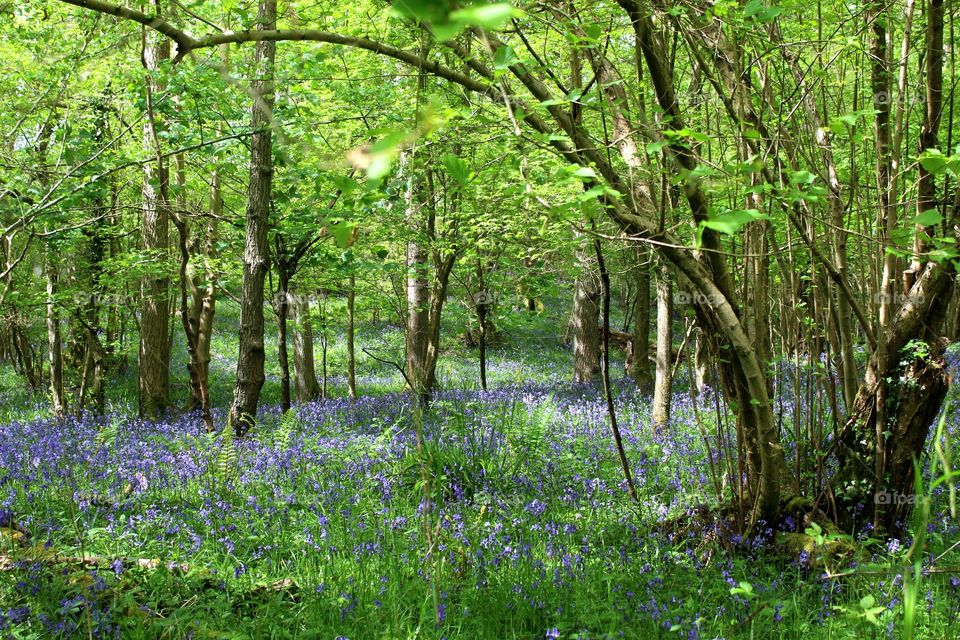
pixel 791 196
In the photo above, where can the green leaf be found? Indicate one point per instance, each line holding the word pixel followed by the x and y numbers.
pixel 756 9
pixel 730 222
pixel 928 218
pixel 655 147
pixel 504 57
pixel 486 16
pixel 342 233
pixel 593 31
pixel 585 172
pixel 457 169
pixel 933 161
pixel 424 10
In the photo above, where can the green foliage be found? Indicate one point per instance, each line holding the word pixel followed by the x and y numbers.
pixel 226 465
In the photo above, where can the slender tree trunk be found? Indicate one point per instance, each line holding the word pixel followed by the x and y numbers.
pixel 663 382
pixel 639 368
pixel 250 362
pixel 304 369
pixel 203 295
pixel 54 342
pixel 701 357
pixel 438 296
pixel 351 351
pixel 283 307
pixel 323 346
pixel 154 357
pixel 480 304
pixel 189 314
pixel 584 320
pixel 205 300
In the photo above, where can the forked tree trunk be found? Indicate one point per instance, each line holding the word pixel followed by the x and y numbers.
pixel 250 362
pixel 203 298
pixel 203 304
pixel 189 321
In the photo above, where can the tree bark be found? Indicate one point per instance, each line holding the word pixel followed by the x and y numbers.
pixel 663 382
pixel 282 307
pixel 154 356
pixel 250 362
pixel 584 320
pixel 54 342
pixel 351 346
pixel 639 368
pixel 304 370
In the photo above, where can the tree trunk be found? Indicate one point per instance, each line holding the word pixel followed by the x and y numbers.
pixel 481 303
pixel 54 342
pixel 418 307
pixel 283 311
pixel 351 351
pixel 154 356
pixel 250 362
pixel 639 368
pixel 188 319
pixel 663 383
pixel 204 301
pixel 584 320
pixel 438 296
pixel 701 356
pixel 203 298
pixel 304 369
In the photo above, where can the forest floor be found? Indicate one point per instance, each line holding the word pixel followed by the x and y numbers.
pixel 315 526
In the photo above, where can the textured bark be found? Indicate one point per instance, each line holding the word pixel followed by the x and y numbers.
pixel 701 356
pixel 639 368
pixel 283 312
pixel 154 355
pixel 481 305
pixel 351 346
pixel 438 297
pixel 204 298
pixel 203 295
pixel 304 368
pixel 250 362
pixel 54 342
pixel 584 322
pixel 663 382
pixel 418 316
pixel 190 313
